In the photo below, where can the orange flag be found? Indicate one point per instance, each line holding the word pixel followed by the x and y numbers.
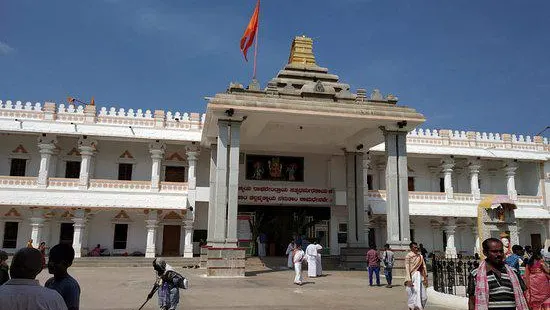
pixel 250 31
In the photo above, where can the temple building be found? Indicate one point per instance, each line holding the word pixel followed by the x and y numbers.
pixel 303 155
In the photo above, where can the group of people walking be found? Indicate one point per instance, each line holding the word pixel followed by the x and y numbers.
pixel 297 256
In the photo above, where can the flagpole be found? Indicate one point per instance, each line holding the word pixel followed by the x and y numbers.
pixel 256 43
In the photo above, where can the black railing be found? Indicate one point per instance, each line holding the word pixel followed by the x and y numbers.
pixel 450 276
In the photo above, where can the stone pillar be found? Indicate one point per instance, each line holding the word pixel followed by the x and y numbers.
pixel 352 201
pixel 212 197
pixel 510 169
pixel 188 239
pixel 46 147
pixel 152 224
pixel 477 242
pixel 192 152
pixel 156 149
pixel 87 148
pixel 37 223
pixel 397 201
pixel 79 220
pixel 233 183
pixel 447 165
pixel 474 166
pixel 450 227
pixel 220 209
pixel 381 168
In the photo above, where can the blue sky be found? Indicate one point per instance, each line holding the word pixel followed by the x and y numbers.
pixel 467 65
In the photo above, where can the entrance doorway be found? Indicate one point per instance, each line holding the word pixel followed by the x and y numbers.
pixel 535 241
pixel 281 223
pixel 171 240
pixel 66 233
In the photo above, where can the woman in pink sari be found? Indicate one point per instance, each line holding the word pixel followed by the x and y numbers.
pixel 536 278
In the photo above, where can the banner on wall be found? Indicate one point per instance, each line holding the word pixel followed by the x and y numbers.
pixel 281 195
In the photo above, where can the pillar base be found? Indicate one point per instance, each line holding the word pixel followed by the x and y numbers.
pixel 150 254
pixel 204 256
pixel 225 262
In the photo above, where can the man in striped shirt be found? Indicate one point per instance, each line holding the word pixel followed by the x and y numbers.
pixel 500 285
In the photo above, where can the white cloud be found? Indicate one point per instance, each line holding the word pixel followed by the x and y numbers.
pixel 5 49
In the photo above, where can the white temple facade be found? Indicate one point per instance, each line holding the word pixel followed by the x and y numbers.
pixel 153 182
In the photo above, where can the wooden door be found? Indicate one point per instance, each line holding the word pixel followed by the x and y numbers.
pixel 535 241
pixel 171 240
pixel 66 233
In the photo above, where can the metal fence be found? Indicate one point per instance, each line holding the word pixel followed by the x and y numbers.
pixel 450 276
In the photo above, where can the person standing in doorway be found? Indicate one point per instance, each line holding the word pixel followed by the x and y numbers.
pixel 261 240
pixel 416 278
pixel 289 251
pixel 4 269
pixel 42 249
pixel 388 260
pixel 298 257
pixel 423 251
pixel 495 285
pixel 373 263
pixel 60 259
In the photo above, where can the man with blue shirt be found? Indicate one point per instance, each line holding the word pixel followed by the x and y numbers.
pixel 515 259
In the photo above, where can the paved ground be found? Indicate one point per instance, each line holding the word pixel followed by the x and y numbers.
pixel 126 288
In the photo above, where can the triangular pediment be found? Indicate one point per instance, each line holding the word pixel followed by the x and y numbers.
pixel 175 156
pixel 74 152
pixel 20 150
pixel 126 155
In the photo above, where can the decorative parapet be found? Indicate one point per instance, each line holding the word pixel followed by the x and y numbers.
pixel 457 138
pixel 80 114
pixel 9 181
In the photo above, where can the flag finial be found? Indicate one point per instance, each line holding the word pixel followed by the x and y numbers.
pixel 301 51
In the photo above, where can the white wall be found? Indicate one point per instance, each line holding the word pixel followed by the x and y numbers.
pixel 108 158
pixel 527 178
pixel 10 143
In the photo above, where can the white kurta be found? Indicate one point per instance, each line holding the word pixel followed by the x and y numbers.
pixel 313 257
pixel 289 250
pixel 297 259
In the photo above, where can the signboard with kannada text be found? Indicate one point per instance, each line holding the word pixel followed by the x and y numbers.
pixel 280 195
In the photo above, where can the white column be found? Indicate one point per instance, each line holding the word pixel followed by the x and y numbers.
pixel 156 149
pixel 436 234
pixel 188 239
pixel 510 169
pixel 220 209
pixel 212 197
pixel 79 224
pixel 351 194
pixel 152 224
pixel 233 183
pixel 447 164
pixel 46 147
pixel 381 168
pixel 397 201
pixel 87 149
pixel 474 166
pixel 450 227
pixel 477 242
pixel 363 220
pixel 192 152
pixel 37 223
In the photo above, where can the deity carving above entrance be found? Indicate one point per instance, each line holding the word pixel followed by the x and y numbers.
pixel 274 168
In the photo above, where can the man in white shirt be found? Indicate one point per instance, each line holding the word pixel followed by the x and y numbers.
pixel 23 292
pixel 313 260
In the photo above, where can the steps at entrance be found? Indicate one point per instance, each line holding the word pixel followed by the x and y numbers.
pixel 280 262
pixel 177 262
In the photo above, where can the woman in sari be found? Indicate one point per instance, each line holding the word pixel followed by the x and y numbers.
pixel 42 249
pixel 536 278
